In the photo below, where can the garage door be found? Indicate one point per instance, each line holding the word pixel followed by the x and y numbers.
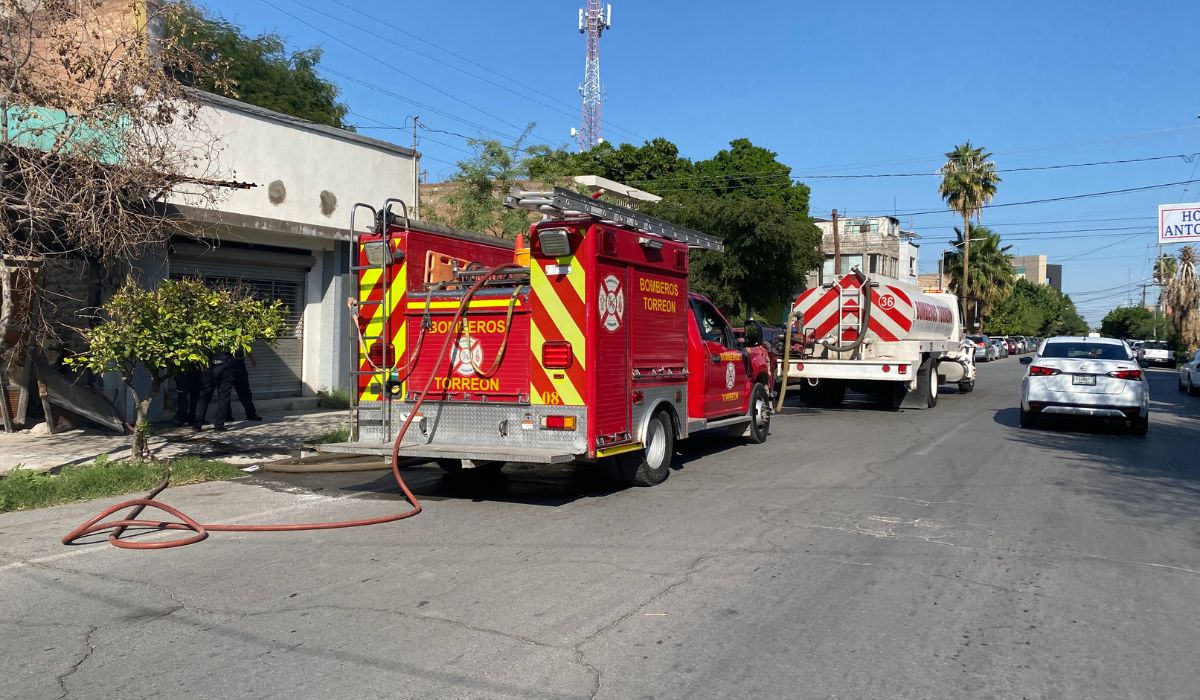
pixel 272 275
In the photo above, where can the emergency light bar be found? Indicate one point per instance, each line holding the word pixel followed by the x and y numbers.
pixel 563 202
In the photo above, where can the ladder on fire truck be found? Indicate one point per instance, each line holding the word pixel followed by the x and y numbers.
pixel 562 203
pixel 373 247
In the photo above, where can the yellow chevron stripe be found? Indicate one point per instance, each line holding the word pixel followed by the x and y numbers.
pixel 567 392
pixel 568 326
pixel 575 277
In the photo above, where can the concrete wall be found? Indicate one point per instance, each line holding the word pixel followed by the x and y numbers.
pixel 306 174
pixel 1030 267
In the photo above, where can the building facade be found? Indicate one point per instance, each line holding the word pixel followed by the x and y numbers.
pixel 875 244
pixel 1035 269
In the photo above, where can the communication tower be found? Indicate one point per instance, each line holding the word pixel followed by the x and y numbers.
pixel 593 20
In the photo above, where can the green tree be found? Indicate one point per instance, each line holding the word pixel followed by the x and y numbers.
pixel 1036 309
pixel 258 70
pixel 476 200
pixel 169 330
pixel 994 275
pixel 742 194
pixel 969 182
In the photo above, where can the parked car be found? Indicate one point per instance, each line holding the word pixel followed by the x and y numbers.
pixel 984 350
pixel 1014 346
pixel 1156 352
pixel 1001 347
pixel 1189 375
pixel 1090 377
pixel 1023 343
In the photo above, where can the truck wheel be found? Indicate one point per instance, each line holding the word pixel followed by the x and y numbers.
pixel 966 387
pixel 892 395
pixel 760 415
pixel 651 465
pixel 1028 419
pixel 929 385
pixel 835 393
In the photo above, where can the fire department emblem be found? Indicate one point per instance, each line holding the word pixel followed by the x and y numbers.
pixel 729 376
pixel 467 355
pixel 611 303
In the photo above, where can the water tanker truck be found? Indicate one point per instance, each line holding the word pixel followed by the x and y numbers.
pixel 887 338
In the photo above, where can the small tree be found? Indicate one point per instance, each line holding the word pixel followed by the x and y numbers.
pixel 1183 296
pixel 170 330
pixel 477 201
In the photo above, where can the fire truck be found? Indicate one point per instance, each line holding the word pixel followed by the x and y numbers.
pixel 588 347
pixel 883 337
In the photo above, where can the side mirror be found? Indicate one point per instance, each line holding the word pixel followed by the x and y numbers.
pixel 753 333
pixel 1027 360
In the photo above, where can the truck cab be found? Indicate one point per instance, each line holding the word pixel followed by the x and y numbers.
pixel 725 369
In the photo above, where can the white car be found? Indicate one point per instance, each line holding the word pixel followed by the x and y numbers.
pixel 1156 352
pixel 1189 375
pixel 1091 377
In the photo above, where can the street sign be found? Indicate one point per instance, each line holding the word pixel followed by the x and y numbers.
pixel 1179 223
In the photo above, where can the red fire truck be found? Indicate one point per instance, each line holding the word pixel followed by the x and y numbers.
pixel 594 350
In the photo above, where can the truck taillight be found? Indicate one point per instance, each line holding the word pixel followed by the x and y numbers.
pixel 1126 374
pixel 556 354
pixel 558 422
pixel 1039 371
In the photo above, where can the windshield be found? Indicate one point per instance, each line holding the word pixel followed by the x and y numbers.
pixel 1085 351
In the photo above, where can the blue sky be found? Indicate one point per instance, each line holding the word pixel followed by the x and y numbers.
pixel 834 88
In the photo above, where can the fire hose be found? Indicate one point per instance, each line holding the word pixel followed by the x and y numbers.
pixel 116 528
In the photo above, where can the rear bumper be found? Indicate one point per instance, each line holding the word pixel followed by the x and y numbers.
pixel 1093 411
pixel 861 370
pixel 446 451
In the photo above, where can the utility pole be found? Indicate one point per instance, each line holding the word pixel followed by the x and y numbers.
pixel 837 248
pixel 416 207
pixel 592 22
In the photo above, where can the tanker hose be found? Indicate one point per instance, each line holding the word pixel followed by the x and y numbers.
pixel 863 323
pixel 115 528
pixel 787 361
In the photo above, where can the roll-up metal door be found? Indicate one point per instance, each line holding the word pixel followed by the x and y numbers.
pixel 272 275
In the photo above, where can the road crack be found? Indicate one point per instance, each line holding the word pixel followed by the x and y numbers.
pixel 91 648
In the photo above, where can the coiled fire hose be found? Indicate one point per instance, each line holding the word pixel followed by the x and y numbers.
pixel 116 528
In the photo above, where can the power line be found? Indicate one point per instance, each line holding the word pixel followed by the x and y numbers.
pixel 401 46
pixel 391 67
pixel 569 106
pixel 1067 198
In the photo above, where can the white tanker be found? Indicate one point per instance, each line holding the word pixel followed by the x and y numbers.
pixel 885 337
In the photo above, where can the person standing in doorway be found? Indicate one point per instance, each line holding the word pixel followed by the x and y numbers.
pixel 241 384
pixel 218 379
pixel 187 393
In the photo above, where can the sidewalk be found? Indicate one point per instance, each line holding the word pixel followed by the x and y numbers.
pixel 279 436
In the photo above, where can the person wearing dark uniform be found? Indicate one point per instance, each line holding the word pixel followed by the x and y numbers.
pixel 217 379
pixel 241 385
pixel 187 393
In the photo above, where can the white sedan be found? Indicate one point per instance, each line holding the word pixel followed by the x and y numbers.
pixel 1091 377
pixel 1189 375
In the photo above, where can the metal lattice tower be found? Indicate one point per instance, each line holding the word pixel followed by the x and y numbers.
pixel 593 20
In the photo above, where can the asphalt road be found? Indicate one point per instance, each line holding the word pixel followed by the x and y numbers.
pixel 858 553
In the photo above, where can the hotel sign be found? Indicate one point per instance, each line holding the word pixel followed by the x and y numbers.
pixel 1179 223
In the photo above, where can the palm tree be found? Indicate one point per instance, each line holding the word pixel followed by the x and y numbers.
pixel 1183 296
pixel 969 182
pixel 993 277
pixel 1164 269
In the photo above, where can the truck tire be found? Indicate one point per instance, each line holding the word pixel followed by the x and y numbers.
pixel 760 415
pixel 892 395
pixel 835 393
pixel 650 466
pixel 1028 419
pixel 966 387
pixel 929 385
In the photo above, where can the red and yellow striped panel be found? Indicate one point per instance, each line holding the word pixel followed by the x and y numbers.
pixel 372 287
pixel 558 314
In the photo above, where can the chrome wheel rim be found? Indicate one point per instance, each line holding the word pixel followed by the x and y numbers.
pixel 656 448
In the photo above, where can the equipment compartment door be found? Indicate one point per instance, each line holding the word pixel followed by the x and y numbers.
pixel 610 328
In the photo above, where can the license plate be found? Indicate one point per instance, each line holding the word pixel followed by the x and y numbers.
pixel 1085 379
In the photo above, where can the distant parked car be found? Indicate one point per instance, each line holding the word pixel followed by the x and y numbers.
pixel 984 350
pixel 1091 377
pixel 1014 346
pixel 1189 375
pixel 1001 347
pixel 1024 343
pixel 1156 352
